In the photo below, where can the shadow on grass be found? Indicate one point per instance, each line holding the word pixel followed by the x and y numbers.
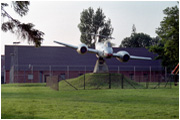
pixel 25 85
pixel 18 116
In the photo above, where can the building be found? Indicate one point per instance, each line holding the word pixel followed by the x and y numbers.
pixel 24 64
pixel 2 68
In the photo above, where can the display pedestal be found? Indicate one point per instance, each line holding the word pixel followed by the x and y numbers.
pixel 101 67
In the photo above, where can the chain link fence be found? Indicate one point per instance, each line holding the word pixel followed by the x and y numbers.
pixel 82 77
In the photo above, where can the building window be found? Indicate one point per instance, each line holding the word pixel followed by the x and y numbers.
pixel 62 76
pixel 131 76
pixel 80 74
pixel 146 76
pixel 30 77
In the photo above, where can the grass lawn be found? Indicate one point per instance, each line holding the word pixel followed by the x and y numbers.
pixel 21 101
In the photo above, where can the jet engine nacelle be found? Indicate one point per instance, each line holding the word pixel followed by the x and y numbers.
pixel 82 49
pixel 123 56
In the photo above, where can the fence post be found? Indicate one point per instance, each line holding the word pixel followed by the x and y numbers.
pixel 49 72
pixel 68 72
pixel 24 76
pixel 170 83
pixel 122 80
pixel 147 82
pixel 84 81
pixel 118 69
pixel 166 74
pixel 32 74
pixel 134 73
pixel 85 70
pixel 109 80
pixel 150 73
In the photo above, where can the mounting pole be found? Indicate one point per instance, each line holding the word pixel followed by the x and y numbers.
pixel 101 66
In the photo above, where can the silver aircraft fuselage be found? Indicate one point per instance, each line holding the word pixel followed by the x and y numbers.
pixel 105 49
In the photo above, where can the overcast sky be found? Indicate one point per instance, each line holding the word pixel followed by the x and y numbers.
pixel 59 19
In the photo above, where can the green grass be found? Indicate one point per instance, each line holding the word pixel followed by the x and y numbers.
pixel 28 101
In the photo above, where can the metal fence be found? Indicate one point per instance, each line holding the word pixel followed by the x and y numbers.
pixel 148 77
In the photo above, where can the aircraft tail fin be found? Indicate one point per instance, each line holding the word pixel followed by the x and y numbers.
pixel 98 35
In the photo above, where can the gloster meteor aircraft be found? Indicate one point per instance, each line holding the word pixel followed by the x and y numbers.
pixel 104 50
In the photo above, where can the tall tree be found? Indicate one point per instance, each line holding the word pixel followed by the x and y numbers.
pixel 168 47
pixel 23 30
pixel 94 23
pixel 138 40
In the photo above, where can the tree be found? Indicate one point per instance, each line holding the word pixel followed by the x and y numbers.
pixel 138 40
pixel 168 46
pixel 94 23
pixel 23 30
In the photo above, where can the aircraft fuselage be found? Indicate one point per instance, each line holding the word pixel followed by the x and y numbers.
pixel 105 50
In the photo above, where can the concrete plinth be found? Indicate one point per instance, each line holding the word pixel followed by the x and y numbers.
pixel 101 67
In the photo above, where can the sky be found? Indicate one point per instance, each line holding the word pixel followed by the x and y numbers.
pixel 59 19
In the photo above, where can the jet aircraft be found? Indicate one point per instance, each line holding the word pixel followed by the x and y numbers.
pixel 104 50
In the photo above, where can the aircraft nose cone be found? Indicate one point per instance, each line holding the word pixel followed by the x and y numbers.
pixel 108 55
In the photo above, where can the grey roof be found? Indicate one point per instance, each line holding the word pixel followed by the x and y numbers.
pixel 62 57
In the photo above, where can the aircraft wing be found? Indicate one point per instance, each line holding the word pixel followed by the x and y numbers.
pixel 90 50
pixel 124 56
pixel 67 45
pixel 139 58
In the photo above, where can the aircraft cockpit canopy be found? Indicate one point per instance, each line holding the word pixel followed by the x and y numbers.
pixel 108 44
